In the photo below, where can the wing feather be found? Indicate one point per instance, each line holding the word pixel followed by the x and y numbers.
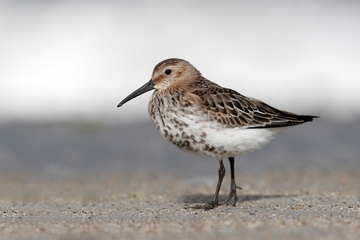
pixel 232 109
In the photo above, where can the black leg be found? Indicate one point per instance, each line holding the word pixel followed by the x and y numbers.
pixel 233 186
pixel 215 200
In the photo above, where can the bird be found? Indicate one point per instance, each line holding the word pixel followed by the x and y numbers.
pixel 204 118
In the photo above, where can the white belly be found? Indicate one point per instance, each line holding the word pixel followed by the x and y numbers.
pixel 191 131
pixel 237 141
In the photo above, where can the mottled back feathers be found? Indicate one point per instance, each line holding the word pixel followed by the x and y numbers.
pixel 232 109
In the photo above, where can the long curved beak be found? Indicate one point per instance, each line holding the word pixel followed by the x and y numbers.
pixel 143 89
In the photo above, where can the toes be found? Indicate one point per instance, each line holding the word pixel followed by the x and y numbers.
pixel 207 206
pixel 211 205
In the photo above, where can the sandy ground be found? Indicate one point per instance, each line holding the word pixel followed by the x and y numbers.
pixel 275 205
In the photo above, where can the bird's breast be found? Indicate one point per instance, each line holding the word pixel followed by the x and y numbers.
pixel 186 125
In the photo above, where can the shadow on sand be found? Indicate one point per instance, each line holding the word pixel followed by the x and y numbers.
pixel 207 198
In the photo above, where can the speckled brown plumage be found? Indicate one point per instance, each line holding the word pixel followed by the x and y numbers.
pixel 201 117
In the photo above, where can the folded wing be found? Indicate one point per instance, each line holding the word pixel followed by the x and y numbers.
pixel 232 109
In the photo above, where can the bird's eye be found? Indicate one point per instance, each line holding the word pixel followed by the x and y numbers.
pixel 167 71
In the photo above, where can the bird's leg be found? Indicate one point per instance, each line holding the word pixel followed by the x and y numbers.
pixel 233 186
pixel 215 200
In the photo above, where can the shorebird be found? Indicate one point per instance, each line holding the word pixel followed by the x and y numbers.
pixel 201 117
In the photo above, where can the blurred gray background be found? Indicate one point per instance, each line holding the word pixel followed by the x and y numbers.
pixel 65 65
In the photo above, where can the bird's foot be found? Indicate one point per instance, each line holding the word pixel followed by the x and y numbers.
pixel 207 206
pixel 232 193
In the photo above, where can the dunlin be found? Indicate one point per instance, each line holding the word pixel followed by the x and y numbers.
pixel 201 117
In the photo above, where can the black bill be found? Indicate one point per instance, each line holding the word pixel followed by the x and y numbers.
pixel 143 89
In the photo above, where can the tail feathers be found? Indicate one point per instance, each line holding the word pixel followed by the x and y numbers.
pixel 307 118
pixel 288 119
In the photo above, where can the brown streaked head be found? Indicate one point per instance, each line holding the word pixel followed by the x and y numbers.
pixel 170 72
pixel 173 72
